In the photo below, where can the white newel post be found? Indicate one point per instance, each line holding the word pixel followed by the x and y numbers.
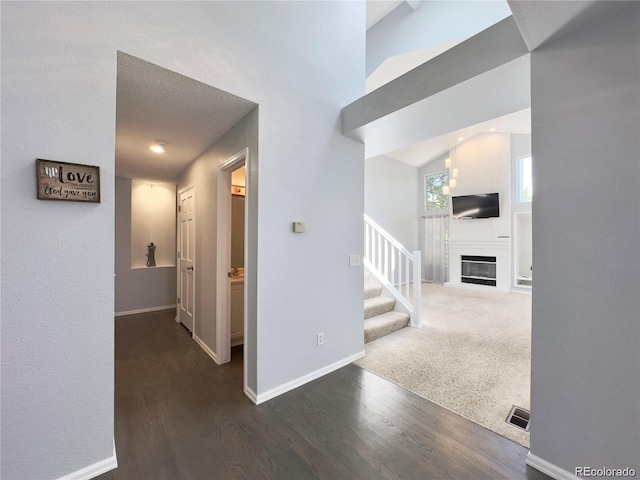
pixel 417 289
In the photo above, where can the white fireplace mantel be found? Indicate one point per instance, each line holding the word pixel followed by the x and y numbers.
pixel 499 248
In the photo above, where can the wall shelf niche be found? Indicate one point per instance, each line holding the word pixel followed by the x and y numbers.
pixel 153 219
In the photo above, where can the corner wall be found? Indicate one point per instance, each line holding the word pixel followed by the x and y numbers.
pixel 585 386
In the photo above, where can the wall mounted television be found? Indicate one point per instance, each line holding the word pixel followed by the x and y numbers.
pixel 485 205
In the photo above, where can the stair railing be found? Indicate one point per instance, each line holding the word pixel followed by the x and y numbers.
pixel 395 267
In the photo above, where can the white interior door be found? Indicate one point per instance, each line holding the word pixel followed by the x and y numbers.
pixel 186 257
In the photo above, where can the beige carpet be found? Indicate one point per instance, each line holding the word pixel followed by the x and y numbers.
pixel 471 356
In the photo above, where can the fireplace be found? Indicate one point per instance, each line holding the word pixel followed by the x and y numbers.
pixel 479 270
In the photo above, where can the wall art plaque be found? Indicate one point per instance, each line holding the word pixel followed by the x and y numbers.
pixel 67 181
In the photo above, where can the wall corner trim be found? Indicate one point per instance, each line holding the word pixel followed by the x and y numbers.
pixel 286 387
pixel 251 394
pixel 206 348
pixel 549 468
pixel 98 468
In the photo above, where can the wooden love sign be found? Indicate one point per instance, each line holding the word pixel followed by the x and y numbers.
pixel 67 181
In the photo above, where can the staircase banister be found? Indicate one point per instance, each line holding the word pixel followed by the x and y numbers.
pixel 387 236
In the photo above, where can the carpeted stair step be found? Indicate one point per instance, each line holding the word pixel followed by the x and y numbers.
pixel 384 324
pixel 378 305
pixel 372 290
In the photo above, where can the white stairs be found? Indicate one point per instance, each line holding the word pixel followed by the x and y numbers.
pixel 380 316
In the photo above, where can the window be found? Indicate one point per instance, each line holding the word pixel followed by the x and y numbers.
pixel 525 180
pixel 436 228
pixel 436 200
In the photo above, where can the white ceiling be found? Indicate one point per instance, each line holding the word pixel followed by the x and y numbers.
pixel 423 152
pixel 536 24
pixel 152 104
pixel 433 146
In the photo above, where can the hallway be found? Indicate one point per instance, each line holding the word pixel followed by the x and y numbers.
pixel 180 416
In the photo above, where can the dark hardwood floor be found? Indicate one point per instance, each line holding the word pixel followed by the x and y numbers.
pixel 181 416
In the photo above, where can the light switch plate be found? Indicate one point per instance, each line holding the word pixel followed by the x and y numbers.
pixel 355 260
pixel 299 227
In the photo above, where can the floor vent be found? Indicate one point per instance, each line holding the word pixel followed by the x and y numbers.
pixel 519 417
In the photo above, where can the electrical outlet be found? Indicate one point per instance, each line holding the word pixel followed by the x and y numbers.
pixel 320 337
pixel 355 260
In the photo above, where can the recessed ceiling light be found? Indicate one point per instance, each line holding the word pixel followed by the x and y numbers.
pixel 492 129
pixel 460 139
pixel 158 147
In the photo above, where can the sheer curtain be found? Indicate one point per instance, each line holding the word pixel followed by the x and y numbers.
pixel 436 237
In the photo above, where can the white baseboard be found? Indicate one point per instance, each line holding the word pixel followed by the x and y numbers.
pixel 251 394
pixel 98 468
pixel 206 348
pixel 144 310
pixel 549 468
pixel 237 338
pixel 477 288
pixel 274 392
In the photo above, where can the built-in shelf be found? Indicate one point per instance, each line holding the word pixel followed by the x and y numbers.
pixel 526 282
pixel 157 266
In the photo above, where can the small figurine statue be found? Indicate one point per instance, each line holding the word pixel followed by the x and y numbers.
pixel 151 256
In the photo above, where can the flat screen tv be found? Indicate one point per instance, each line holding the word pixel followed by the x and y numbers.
pixel 486 205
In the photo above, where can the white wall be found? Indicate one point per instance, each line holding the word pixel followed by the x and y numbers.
pixel 58 102
pixel 585 379
pixel 390 198
pixel 153 220
pixel 434 23
pixel 138 288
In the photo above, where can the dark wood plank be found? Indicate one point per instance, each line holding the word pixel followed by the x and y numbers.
pixel 181 416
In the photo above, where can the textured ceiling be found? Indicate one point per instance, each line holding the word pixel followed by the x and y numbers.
pixel 156 104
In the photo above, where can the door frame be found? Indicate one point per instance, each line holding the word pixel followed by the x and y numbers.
pixel 223 258
pixel 195 239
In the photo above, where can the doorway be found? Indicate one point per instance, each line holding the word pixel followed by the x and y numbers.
pixel 238 207
pixel 203 126
pixel 227 275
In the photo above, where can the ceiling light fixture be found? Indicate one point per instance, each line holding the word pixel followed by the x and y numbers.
pixel 492 129
pixel 447 162
pixel 159 147
pixel 460 139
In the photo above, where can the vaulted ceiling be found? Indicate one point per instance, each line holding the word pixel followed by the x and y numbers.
pixel 156 104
